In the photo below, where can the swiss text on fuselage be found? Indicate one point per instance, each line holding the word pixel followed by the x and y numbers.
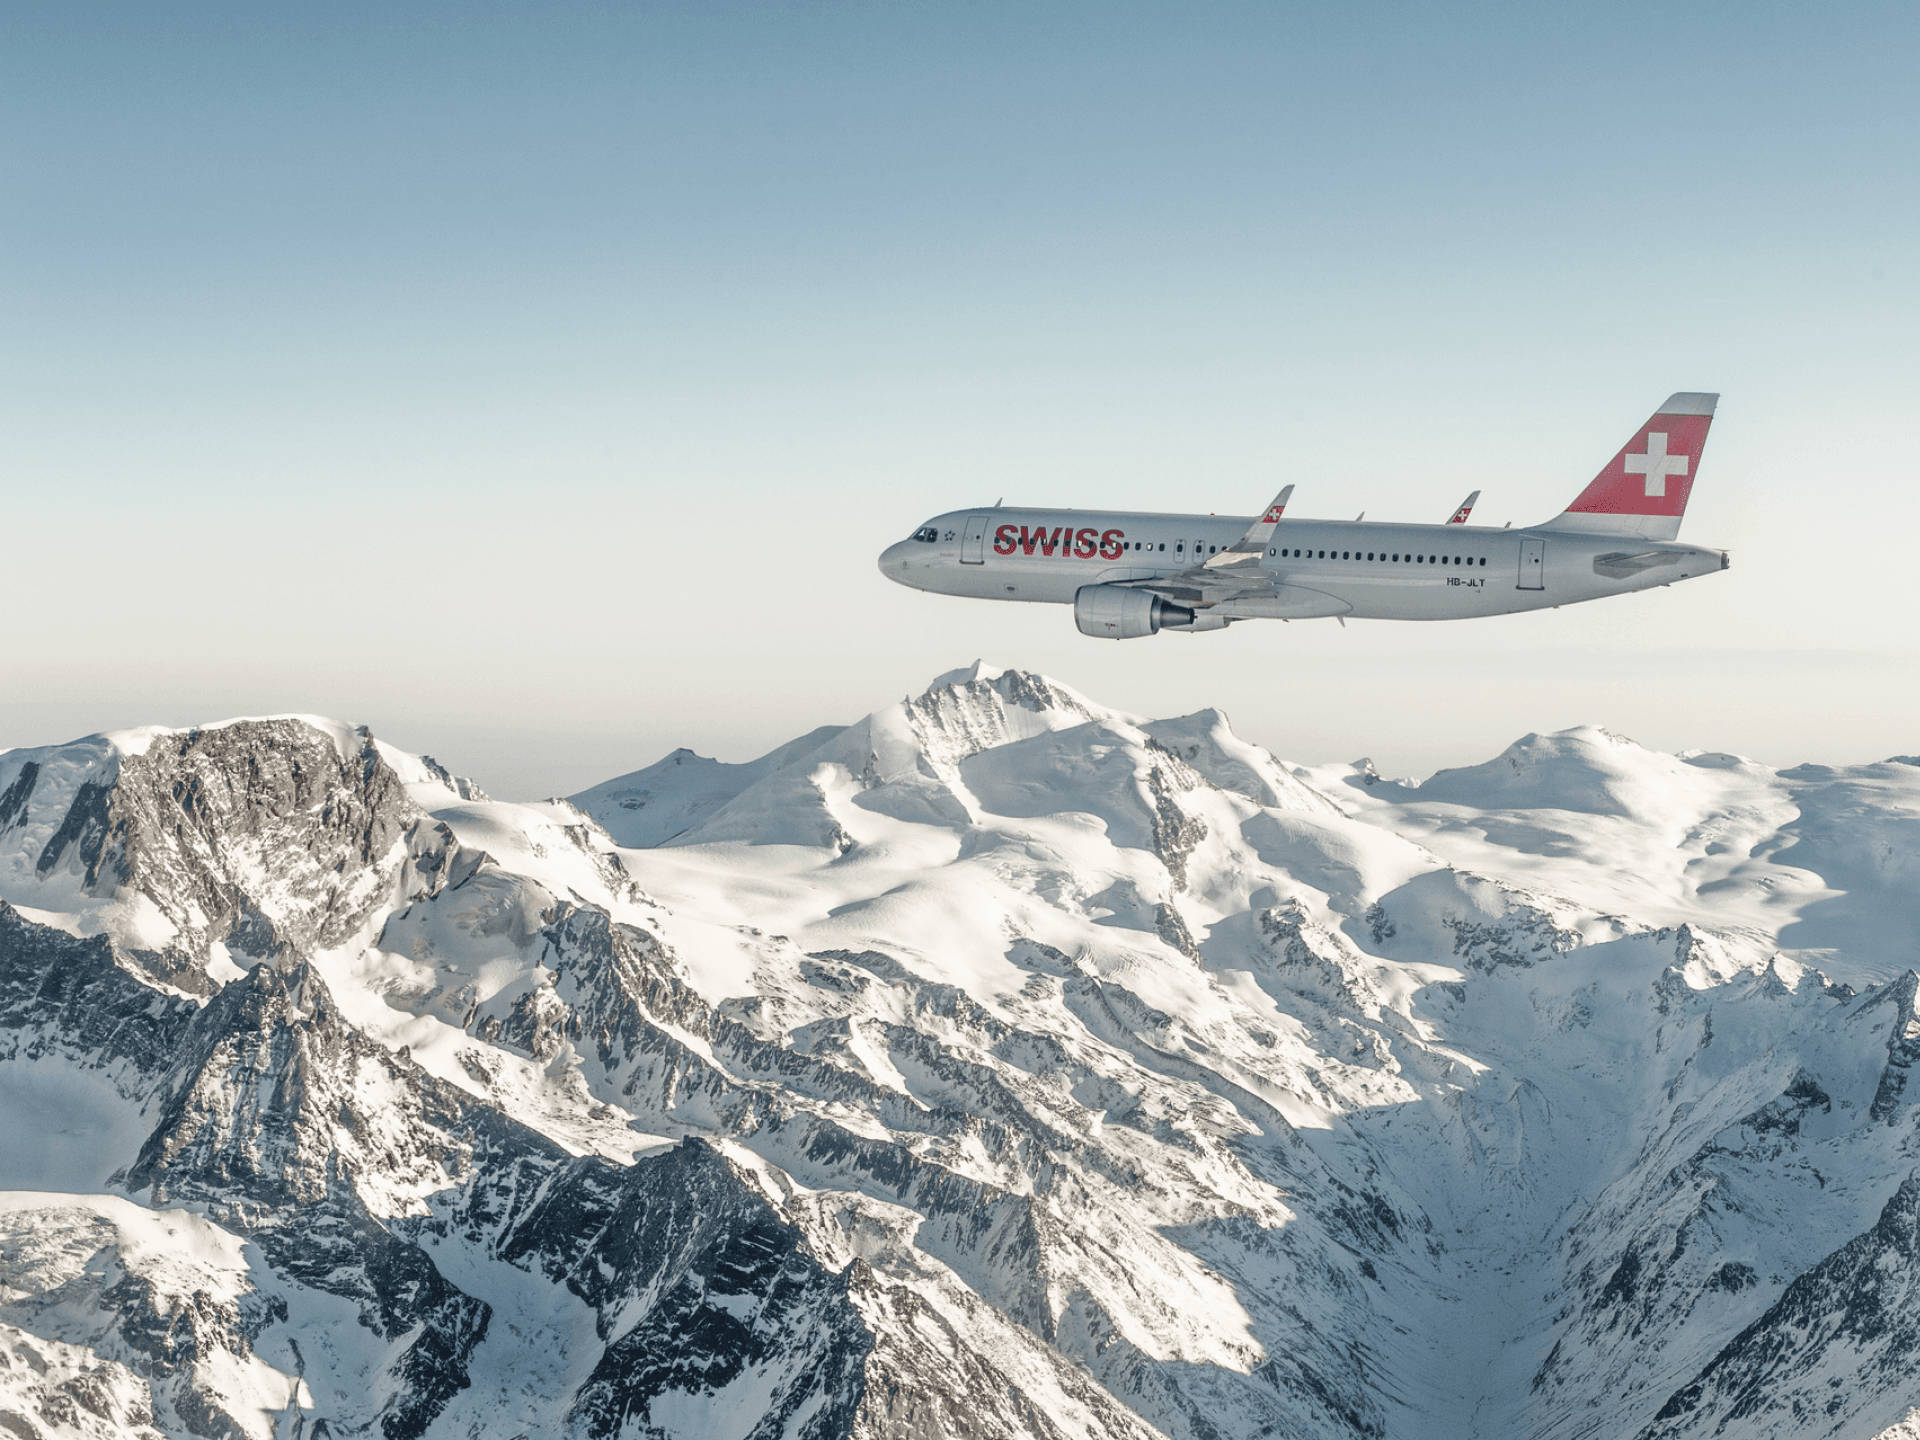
pixel 1062 541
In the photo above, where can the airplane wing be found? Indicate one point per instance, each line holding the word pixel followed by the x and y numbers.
pixel 1234 573
pixel 1466 509
pixel 1199 586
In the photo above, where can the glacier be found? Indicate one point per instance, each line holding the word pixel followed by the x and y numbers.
pixel 1000 1064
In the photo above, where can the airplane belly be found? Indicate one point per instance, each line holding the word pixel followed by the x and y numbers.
pixel 1287 602
pixel 1428 598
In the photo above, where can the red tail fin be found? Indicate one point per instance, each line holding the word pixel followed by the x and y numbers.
pixel 1643 490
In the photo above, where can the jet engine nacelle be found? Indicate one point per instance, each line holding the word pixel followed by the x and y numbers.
pixel 1119 612
pixel 1201 624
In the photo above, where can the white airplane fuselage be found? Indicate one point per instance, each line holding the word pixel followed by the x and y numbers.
pixel 1354 569
pixel 1134 573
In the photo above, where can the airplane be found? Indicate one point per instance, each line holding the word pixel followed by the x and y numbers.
pixel 1466 508
pixel 1130 574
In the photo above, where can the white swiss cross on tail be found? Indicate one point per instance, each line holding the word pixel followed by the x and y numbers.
pixel 1656 464
pixel 1643 491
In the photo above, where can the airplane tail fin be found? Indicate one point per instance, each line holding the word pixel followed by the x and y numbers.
pixel 1643 490
pixel 1466 508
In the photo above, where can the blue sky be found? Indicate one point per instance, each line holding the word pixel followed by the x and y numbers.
pixel 536 384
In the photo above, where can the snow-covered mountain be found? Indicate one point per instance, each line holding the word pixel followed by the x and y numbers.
pixel 997 1065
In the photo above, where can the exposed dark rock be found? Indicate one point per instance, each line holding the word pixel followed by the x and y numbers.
pixel 1903 1047
pixel 13 801
pixel 1858 1309
pixel 59 993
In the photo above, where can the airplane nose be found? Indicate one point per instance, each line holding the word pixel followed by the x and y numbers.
pixel 893 560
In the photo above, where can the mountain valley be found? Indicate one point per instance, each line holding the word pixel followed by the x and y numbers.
pixel 997 1065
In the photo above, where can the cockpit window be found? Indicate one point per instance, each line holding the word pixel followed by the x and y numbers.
pixel 926 536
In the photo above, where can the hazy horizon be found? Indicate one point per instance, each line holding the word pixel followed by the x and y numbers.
pixel 538 387
pixel 605 757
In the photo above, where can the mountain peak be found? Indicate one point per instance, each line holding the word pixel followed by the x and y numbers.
pixel 1038 1068
pixel 999 689
pixel 966 675
pixel 1028 689
pixel 140 739
pixel 1584 769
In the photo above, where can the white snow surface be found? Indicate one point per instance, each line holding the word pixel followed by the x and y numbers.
pixel 63 1369
pixel 1282 1099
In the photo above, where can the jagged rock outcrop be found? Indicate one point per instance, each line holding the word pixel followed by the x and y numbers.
pixel 997 1065
pixel 1839 1345
pixel 257 836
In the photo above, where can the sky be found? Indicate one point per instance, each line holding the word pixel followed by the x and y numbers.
pixel 537 384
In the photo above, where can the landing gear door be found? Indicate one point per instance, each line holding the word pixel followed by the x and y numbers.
pixel 1533 565
pixel 973 544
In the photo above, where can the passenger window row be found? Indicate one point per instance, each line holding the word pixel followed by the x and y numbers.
pixel 1467 561
pixel 1393 558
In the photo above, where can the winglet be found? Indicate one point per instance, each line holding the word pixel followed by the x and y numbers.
pixel 1254 542
pixel 1466 509
pixel 1261 530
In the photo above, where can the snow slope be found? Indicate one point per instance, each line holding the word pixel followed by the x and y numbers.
pixel 998 1065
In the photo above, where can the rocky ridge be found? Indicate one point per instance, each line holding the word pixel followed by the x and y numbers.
pixel 997 1065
